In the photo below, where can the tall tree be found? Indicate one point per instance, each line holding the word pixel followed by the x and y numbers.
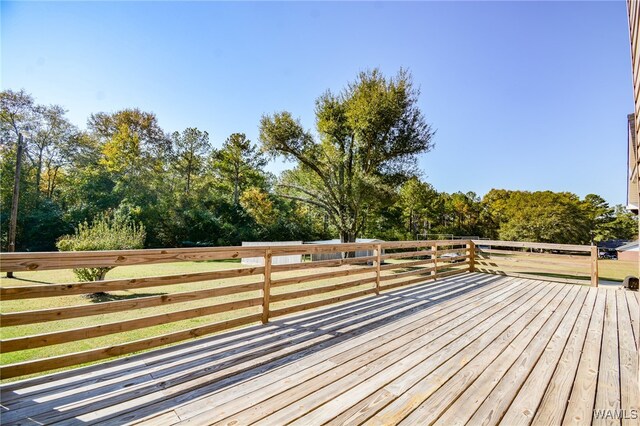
pixel 134 150
pixel 239 163
pixel 189 149
pixel 17 111
pixel 599 215
pixel 16 119
pixel 368 138
pixel 51 141
pixel 417 201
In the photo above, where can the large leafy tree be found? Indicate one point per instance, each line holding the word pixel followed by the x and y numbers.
pixel 624 225
pixel 543 216
pixel 418 201
pixel 368 137
pixel 17 111
pixel 53 144
pixel 134 149
pixel 238 164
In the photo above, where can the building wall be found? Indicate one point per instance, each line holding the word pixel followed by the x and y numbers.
pixel 633 195
pixel 628 255
pixel 633 10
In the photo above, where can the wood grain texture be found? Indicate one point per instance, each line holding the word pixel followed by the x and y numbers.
pixel 30 367
pixel 541 246
pixel 55 314
pixel 502 349
pixel 59 337
pixel 57 290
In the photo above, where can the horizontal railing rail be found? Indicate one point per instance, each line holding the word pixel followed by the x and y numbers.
pixel 576 264
pixel 214 301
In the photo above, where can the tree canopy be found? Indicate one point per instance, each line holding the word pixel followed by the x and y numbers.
pixel 368 137
pixel 355 175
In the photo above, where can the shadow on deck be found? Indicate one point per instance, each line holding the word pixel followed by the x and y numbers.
pixel 472 347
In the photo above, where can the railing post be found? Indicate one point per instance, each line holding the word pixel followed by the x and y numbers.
pixel 472 256
pixel 378 254
pixel 594 266
pixel 266 289
pixel 435 260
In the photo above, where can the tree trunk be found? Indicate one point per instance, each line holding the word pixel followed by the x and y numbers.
pixel 13 222
pixel 236 186
pixel 39 171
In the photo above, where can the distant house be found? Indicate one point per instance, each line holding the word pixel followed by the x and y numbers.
pixel 276 260
pixel 628 251
pixel 338 255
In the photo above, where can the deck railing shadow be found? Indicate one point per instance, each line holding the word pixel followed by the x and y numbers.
pixel 211 354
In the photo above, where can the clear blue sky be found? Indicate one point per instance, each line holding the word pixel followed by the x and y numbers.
pixel 523 95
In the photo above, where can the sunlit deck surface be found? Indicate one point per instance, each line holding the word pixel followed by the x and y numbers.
pixel 474 348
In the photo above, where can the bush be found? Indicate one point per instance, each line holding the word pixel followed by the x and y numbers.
pixel 105 233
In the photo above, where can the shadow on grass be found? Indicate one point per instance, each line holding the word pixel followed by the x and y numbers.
pixel 108 297
pixel 407 269
pixel 29 281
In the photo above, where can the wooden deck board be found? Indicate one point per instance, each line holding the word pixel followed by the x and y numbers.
pixel 475 348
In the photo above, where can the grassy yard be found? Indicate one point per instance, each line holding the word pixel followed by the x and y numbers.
pixel 616 270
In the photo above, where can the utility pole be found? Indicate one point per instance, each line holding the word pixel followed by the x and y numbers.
pixel 14 201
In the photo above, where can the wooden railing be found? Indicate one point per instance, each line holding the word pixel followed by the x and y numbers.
pixel 576 264
pixel 257 293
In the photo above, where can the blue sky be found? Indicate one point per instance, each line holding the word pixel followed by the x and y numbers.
pixel 524 95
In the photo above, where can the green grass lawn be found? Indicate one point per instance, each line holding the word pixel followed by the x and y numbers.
pixel 616 270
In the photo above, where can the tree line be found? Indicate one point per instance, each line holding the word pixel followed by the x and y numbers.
pixel 355 176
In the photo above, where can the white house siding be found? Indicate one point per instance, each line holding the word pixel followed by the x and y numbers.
pixel 276 260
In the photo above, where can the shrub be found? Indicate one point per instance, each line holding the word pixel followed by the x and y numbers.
pixel 106 232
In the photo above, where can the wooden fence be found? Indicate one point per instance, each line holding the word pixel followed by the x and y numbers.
pixel 257 293
pixel 575 264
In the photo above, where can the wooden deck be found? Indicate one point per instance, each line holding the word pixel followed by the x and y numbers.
pixel 470 349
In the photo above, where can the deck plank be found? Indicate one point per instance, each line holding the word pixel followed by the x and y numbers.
pixel 634 315
pixel 515 399
pixel 324 360
pixel 582 398
pixel 555 399
pixel 156 363
pixel 499 379
pixel 474 348
pixel 412 389
pixel 280 409
pixel 336 338
pixel 183 377
pixel 530 395
pixel 608 388
pixel 629 389
pixel 329 410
